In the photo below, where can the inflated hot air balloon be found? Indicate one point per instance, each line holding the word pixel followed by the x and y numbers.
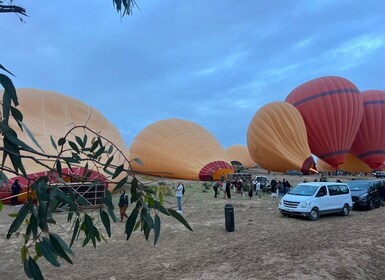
pixel 332 109
pixel 323 166
pixel 181 149
pixel 369 144
pixel 48 113
pixel 277 140
pixel 239 155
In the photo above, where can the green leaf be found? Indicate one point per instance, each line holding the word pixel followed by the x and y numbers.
pixel 180 218
pixel 2 67
pixel 48 252
pixel 58 248
pixel 85 138
pixel 118 170
pixel 53 142
pixel 18 116
pixel 90 231
pixel 74 146
pixel 1 205
pixel 120 184
pixel 79 140
pixel 156 229
pixel 34 270
pixel 108 162
pixel 19 218
pixel 138 161
pixel 106 222
pixel 61 141
pixel 62 243
pixel 107 199
pixel 161 197
pixel 110 149
pixel 26 269
pixel 23 253
pixel 99 152
pixel 31 136
pixel 58 168
pixel 76 229
pixel 131 222
pixel 94 146
pixel 160 208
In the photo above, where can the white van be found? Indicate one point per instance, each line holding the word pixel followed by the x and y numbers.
pixel 316 198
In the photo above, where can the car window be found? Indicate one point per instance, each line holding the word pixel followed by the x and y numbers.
pixel 322 191
pixel 343 189
pixel 333 190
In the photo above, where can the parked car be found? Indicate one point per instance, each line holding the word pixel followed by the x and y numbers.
pixel 317 198
pixel 380 174
pixel 265 183
pixel 365 193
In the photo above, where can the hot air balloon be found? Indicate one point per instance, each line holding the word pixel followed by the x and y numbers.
pixel 48 113
pixel 369 144
pixel 239 155
pixel 277 140
pixel 323 166
pixel 181 149
pixel 332 109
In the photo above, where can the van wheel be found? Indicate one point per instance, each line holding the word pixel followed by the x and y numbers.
pixel 370 204
pixel 314 214
pixel 345 210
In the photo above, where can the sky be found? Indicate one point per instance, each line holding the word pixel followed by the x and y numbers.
pixel 211 62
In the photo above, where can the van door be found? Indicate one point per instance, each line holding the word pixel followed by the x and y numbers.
pixel 335 199
pixel 323 199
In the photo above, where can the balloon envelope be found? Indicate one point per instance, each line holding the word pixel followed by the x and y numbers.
pixel 332 109
pixel 181 149
pixel 277 140
pixel 369 144
pixel 240 153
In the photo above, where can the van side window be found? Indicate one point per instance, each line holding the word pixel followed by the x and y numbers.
pixel 333 190
pixel 322 191
pixel 343 189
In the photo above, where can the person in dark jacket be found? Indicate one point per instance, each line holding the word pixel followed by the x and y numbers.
pixel 123 204
pixel 228 184
pixel 16 189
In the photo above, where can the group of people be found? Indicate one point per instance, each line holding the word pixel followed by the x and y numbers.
pixel 278 188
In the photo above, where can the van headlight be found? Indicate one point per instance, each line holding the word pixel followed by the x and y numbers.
pixel 304 204
pixel 281 201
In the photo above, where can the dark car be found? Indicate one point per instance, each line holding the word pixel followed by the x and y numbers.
pixel 380 174
pixel 366 193
pixel 293 172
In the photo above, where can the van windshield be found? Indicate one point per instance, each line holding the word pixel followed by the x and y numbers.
pixel 304 190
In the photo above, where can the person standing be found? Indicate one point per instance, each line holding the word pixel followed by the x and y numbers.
pixel 16 189
pixel 280 188
pixel 258 191
pixel 215 187
pixel 123 204
pixel 227 189
pixel 273 191
pixel 179 194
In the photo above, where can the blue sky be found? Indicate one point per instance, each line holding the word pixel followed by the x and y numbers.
pixel 212 62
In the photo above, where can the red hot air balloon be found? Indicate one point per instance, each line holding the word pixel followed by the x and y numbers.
pixel 369 145
pixel 332 109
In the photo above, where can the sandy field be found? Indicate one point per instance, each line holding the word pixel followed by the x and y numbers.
pixel 264 245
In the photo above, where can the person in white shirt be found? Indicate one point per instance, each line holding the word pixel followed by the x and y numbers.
pixel 258 190
pixel 179 194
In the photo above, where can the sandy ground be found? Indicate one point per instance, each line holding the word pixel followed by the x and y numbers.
pixel 264 245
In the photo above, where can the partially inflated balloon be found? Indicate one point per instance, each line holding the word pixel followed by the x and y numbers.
pixel 332 109
pixel 240 154
pixel 351 164
pixel 181 149
pixel 277 140
pixel 369 144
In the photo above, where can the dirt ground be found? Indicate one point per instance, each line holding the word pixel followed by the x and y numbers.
pixel 264 245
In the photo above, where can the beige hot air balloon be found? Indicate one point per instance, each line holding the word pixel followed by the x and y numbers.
pixel 181 149
pixel 240 155
pixel 277 139
pixel 48 113
pixel 351 164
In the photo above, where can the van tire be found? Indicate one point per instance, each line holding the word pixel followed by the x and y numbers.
pixel 345 210
pixel 370 204
pixel 314 214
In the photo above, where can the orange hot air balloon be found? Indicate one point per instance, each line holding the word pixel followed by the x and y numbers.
pixel 351 164
pixel 181 149
pixel 332 109
pixel 369 144
pixel 47 113
pixel 277 139
pixel 240 154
